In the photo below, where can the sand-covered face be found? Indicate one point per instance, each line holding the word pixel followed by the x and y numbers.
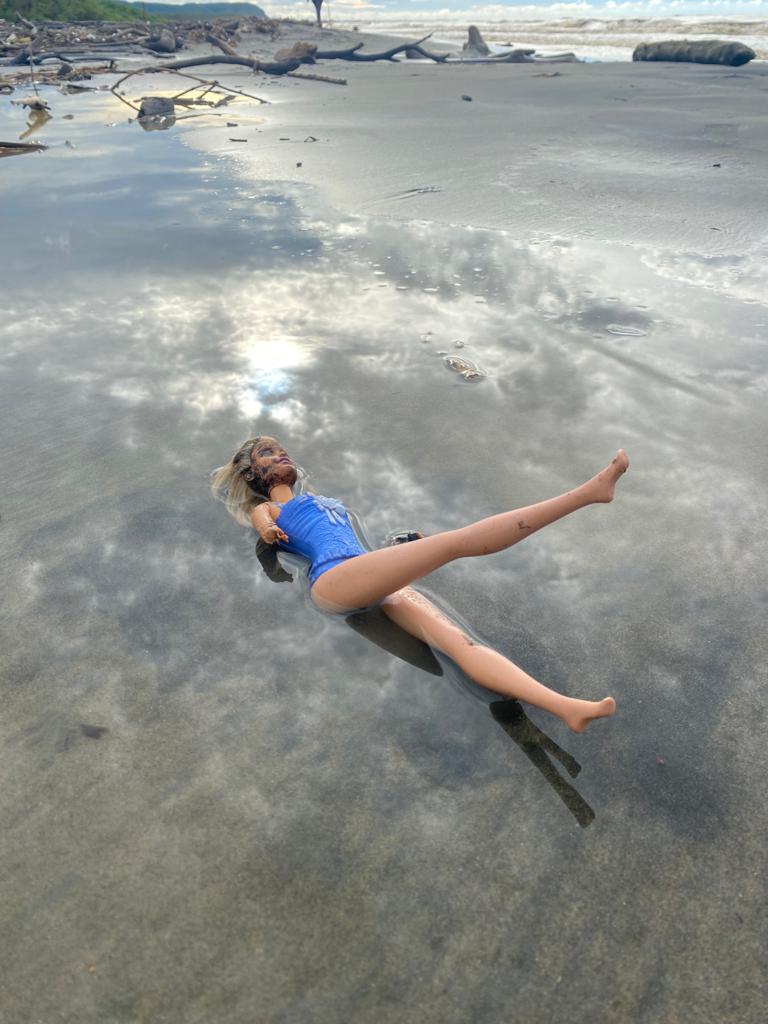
pixel 270 466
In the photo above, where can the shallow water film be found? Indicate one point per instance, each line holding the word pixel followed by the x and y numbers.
pixel 221 805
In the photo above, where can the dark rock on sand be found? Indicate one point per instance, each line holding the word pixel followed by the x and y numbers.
pixel 475 45
pixel 163 42
pixel 696 51
pixel 156 106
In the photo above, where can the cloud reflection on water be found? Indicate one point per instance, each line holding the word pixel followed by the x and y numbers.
pixel 278 742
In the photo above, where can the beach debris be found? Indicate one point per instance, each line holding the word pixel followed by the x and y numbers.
pixel 316 78
pixel 299 164
pixel 238 140
pixel 696 51
pixel 717 165
pixel 475 45
pixel 468 99
pixel 163 42
pixel 69 88
pixel 266 67
pixel 558 58
pixel 70 735
pixel 410 193
pixel 37 118
pixel 75 37
pixel 353 52
pixel 31 103
pixel 524 56
pixel 156 113
pixel 625 330
pixel 302 52
pixel 17 148
pixel 465 369
pixel 156 106
pixel 210 87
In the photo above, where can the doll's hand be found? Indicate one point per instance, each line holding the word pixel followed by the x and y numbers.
pixel 272 533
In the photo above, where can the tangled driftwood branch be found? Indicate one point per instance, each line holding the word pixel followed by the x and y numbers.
pixel 210 86
pixel 268 67
pixel 352 52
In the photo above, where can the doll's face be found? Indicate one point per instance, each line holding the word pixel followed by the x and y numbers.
pixel 270 465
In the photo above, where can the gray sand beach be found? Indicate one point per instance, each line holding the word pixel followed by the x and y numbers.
pixel 220 806
pixel 647 154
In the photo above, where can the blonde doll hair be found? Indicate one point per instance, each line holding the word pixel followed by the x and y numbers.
pixel 229 485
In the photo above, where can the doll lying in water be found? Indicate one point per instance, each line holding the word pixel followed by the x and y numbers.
pixel 257 486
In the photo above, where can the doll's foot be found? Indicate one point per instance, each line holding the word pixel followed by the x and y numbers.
pixel 582 712
pixel 604 483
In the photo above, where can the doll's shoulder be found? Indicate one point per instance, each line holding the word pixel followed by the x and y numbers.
pixel 263 511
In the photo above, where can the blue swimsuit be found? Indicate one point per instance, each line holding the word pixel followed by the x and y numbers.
pixel 319 529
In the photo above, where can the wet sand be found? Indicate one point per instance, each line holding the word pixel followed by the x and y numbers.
pixel 221 806
pixel 641 153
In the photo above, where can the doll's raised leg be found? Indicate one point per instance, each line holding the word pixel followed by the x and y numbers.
pixel 418 616
pixel 361 581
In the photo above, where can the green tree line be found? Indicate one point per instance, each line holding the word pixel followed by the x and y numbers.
pixel 70 10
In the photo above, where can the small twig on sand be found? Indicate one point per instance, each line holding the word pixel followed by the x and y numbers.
pixel 31 57
pixel 316 78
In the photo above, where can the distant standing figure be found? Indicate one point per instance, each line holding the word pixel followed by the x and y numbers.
pixel 318 4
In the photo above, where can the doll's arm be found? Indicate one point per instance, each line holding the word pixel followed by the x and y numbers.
pixel 270 563
pixel 404 538
pixel 263 521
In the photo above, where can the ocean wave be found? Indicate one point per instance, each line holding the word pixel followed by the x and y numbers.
pixel 596 38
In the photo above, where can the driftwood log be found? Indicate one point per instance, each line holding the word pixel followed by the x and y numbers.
pixel 475 45
pixel 25 59
pixel 522 56
pixel 20 147
pixel 352 53
pixel 268 67
pixel 696 51
pixel 231 56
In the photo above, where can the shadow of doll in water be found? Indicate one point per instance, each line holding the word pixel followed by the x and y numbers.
pixel 535 744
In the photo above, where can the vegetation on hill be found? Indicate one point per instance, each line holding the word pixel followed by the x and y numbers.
pixel 174 12
pixel 115 10
pixel 70 10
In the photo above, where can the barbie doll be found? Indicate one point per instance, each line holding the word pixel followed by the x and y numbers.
pixel 257 486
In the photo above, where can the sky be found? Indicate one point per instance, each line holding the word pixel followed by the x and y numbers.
pixel 442 10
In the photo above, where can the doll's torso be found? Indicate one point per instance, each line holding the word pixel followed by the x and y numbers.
pixel 319 529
